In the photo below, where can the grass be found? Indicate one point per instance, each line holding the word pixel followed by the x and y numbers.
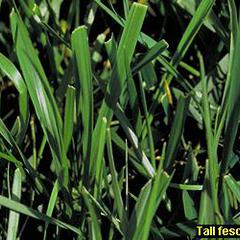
pixel 113 126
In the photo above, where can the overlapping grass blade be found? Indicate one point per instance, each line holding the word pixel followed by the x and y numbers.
pixel 6 135
pixel 23 209
pixel 134 141
pixel 125 52
pixel 95 228
pixel 206 213
pixel 115 184
pixel 231 94
pixel 159 185
pixel 233 185
pixel 211 145
pixel 41 94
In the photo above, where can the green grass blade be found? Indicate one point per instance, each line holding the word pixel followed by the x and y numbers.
pixel 126 7
pixel 153 53
pixel 102 209
pixel 176 131
pixel 99 162
pixel 195 24
pixel 138 211
pixel 69 116
pixel 13 220
pixel 149 129
pixel 51 204
pixel 206 211
pixel 81 54
pixel 188 205
pixel 8 157
pixel 115 184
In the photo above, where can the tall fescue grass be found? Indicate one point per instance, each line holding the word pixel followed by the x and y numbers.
pixel 118 134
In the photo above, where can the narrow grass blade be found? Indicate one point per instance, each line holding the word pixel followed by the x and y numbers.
pixel 69 116
pixel 196 22
pixel 187 187
pixel 13 220
pixel 51 204
pixel 153 53
pixel 134 101
pixel 126 7
pixel 176 131
pixel 115 184
pixel 138 211
pixel 99 162
pixel 149 129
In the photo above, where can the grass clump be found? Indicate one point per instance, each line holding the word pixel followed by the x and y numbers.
pixel 113 126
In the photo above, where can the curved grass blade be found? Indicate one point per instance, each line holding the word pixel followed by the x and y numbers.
pixel 8 68
pixel 23 209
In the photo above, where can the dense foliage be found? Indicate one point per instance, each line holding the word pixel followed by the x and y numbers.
pixel 118 120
